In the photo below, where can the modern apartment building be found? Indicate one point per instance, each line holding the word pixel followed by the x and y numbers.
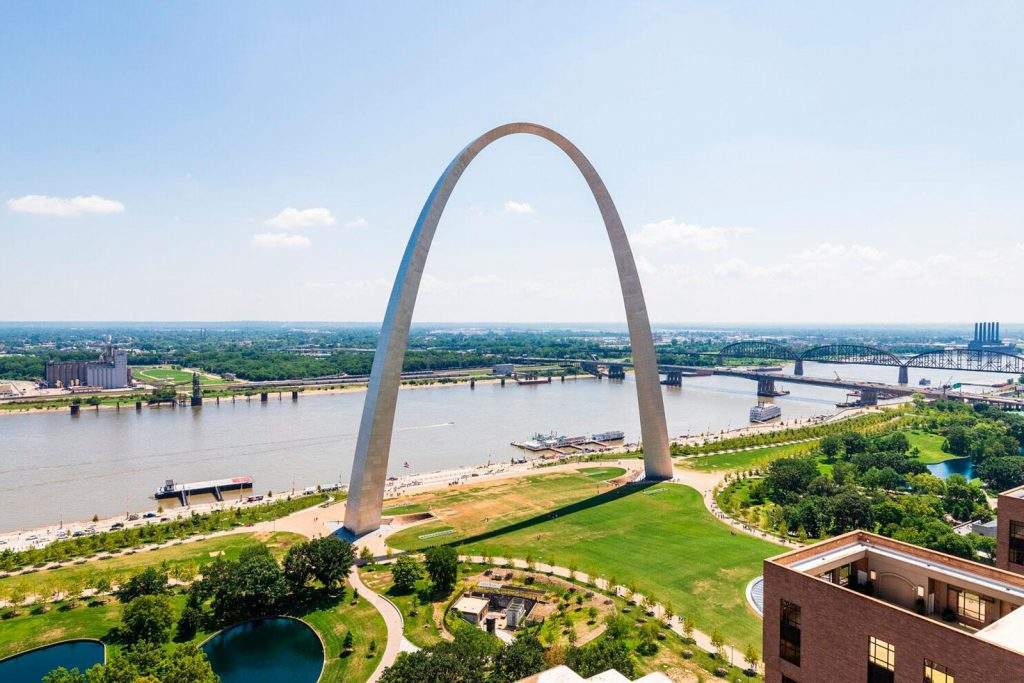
pixel 1010 530
pixel 861 607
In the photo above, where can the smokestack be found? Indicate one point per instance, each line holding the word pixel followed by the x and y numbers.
pixel 977 329
pixel 998 336
pixel 988 331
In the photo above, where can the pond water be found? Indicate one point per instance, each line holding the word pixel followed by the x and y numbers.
pixel 266 651
pixel 946 468
pixel 30 667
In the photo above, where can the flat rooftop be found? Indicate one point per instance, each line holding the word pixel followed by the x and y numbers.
pixel 850 562
pixel 1014 493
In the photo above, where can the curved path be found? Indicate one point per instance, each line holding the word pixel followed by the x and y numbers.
pixel 392 617
pixel 707 483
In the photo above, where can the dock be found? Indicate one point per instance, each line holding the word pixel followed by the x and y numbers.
pixel 214 486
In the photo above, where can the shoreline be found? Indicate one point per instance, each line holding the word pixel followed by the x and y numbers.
pixel 307 390
pixel 400 485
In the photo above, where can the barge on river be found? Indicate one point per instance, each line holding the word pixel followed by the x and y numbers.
pixel 214 486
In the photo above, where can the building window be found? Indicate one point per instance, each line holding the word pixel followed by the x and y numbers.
pixel 843 575
pixel 1016 542
pixel 937 673
pixel 789 632
pixel 881 661
pixel 970 606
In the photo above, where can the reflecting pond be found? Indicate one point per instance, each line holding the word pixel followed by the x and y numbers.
pixel 946 468
pixel 30 667
pixel 266 650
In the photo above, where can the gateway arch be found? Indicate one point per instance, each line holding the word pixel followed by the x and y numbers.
pixel 369 470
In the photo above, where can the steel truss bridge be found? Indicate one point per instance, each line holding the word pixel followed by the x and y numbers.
pixel 858 354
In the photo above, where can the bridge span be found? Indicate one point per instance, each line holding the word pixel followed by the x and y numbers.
pixel 870 392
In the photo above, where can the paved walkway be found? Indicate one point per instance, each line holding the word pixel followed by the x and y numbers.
pixel 708 483
pixel 393 620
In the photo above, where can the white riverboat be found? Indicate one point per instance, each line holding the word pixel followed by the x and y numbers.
pixel 765 412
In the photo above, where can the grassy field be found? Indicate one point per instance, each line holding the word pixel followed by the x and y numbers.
pixel 660 539
pixel 333 619
pixel 930 446
pixel 741 460
pixel 165 373
pixel 120 567
pixel 420 628
pixel 602 473
pixel 331 616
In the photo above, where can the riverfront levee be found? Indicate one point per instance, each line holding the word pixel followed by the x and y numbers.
pixel 107 462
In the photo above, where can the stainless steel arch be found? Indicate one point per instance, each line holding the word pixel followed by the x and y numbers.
pixel 369 470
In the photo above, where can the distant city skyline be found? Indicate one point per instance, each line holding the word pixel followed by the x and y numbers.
pixel 796 165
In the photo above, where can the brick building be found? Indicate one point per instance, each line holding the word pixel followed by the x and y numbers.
pixel 1010 530
pixel 862 607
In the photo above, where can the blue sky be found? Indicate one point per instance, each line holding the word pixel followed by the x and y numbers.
pixel 771 161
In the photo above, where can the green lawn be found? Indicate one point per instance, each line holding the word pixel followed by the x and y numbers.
pixel 331 616
pixel 120 567
pixel 602 473
pixel 741 460
pixel 407 509
pixel 165 373
pixel 930 446
pixel 661 539
pixel 332 620
pixel 420 628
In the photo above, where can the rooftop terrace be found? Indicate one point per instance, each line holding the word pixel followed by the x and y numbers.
pixel 964 595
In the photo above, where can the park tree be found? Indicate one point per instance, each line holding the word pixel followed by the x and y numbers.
pixel 150 581
pixel 298 567
pixel 844 473
pixel 963 498
pixel 956 441
pixel 788 478
pixel 524 657
pixel 751 657
pixel 443 567
pixel 600 655
pixel 144 663
pixel 832 447
pixel 332 558
pixel 185 664
pixel 813 514
pixel 851 510
pixel 854 442
pixel 249 587
pixel 406 571
pixel 190 621
pixel 467 659
pixel 63 675
pixel 885 478
pixel 147 618
pixel 1002 473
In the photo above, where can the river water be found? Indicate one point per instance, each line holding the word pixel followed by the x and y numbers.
pixel 55 467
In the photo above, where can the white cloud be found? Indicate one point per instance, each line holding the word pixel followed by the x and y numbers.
pixel 349 289
pixel 672 233
pixel 518 207
pixel 730 268
pixel 296 219
pixel 280 240
pixel 359 222
pixel 827 250
pixel 64 207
